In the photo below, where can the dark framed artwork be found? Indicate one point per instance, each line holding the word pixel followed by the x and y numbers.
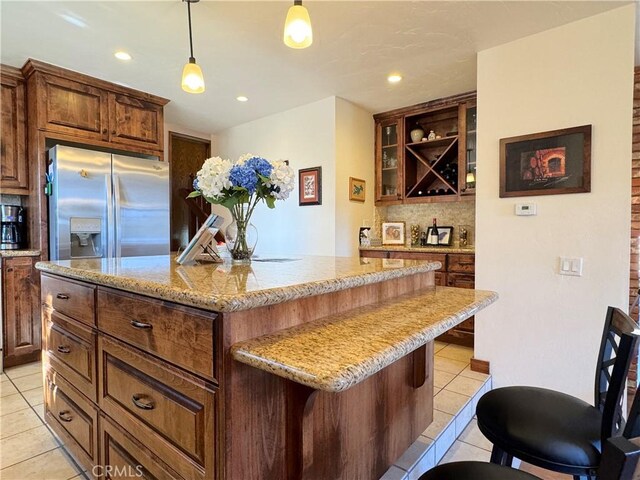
pixel 546 163
pixel 445 236
pixel 310 186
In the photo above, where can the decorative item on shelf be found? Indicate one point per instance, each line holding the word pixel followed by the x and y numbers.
pixel 364 237
pixel 192 78
pixel 438 137
pixel 432 233
pixel 464 236
pixel 423 239
pixel 239 187
pixel 375 242
pixel 357 189
pixel 432 135
pixel 389 190
pixel 415 235
pixel 310 186
pixel 416 134
pixel 393 233
pixel 297 27
pixel 385 160
pixel 444 237
pixel 424 139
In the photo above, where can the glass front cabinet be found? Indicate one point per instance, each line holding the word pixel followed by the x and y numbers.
pixel 427 153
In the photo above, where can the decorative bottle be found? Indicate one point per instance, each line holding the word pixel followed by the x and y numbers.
pixel 433 234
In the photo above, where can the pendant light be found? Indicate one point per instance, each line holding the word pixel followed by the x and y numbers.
pixel 192 79
pixel 297 27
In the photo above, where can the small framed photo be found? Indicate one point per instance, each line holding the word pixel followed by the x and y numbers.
pixel 393 233
pixel 445 236
pixel 356 189
pixel 310 186
pixel 546 163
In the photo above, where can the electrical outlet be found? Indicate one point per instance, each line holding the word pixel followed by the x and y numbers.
pixel 571 266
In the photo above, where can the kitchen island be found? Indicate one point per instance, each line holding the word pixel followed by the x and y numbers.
pixel 288 368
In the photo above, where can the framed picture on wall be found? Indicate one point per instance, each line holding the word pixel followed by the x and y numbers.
pixel 546 163
pixel 393 233
pixel 357 189
pixel 310 186
pixel 445 236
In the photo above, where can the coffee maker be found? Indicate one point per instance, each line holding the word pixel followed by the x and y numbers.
pixel 13 227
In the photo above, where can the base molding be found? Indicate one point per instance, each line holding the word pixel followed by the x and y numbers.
pixel 480 366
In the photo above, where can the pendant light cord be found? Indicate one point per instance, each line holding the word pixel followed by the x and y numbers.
pixel 190 37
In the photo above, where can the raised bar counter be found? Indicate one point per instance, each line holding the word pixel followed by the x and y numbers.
pixel 284 369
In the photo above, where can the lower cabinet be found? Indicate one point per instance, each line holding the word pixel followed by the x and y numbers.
pixel 22 330
pixel 458 270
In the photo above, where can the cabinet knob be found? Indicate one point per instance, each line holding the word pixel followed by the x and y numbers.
pixel 63 349
pixel 104 131
pixel 62 296
pixel 9 269
pixel 65 416
pixel 113 132
pixel 138 402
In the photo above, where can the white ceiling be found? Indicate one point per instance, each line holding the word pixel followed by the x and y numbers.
pixel 239 46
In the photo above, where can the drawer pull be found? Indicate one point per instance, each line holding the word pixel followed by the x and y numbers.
pixel 64 416
pixel 141 325
pixel 62 296
pixel 466 263
pixel 137 401
pixel 63 349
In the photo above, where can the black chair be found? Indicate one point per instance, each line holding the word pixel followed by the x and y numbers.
pixel 619 461
pixel 556 431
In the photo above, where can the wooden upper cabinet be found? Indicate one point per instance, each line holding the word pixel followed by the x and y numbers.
pixel 135 122
pixel 13 141
pixel 72 108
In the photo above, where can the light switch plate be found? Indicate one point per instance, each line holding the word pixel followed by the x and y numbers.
pixel 571 266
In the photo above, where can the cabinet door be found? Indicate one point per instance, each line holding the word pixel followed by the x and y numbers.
pixel 460 280
pixel 389 170
pixel 72 108
pixel 21 310
pixel 13 141
pixel 135 122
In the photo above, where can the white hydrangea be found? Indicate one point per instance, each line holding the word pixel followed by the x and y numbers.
pixel 213 177
pixel 243 158
pixel 281 176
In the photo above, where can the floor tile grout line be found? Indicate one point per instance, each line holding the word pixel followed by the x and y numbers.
pixel 30 458
pixel 23 431
pixel 472 444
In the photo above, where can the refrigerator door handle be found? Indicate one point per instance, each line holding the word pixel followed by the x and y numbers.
pixel 116 207
pixel 109 229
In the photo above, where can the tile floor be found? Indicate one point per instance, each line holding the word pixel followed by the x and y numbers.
pixel 30 451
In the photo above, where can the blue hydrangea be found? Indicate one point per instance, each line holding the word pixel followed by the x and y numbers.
pixel 244 176
pixel 195 184
pixel 260 165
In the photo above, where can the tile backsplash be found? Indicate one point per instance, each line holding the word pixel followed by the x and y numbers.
pixel 11 200
pixel 447 214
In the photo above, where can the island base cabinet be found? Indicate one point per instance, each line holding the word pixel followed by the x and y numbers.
pixel 123 457
pixel 73 418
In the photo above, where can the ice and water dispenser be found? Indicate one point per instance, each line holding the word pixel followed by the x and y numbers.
pixel 86 237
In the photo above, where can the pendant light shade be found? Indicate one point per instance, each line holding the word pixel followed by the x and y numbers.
pixel 297 27
pixel 192 78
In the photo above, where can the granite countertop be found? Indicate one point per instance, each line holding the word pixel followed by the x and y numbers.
pixel 403 248
pixel 226 287
pixel 19 253
pixel 339 351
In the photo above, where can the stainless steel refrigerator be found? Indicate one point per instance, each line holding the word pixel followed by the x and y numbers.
pixel 106 205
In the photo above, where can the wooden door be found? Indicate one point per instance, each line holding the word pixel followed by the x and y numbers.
pixel 21 310
pixel 186 156
pixel 135 122
pixel 72 108
pixel 13 141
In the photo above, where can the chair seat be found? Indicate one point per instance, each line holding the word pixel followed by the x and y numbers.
pixel 543 427
pixel 475 471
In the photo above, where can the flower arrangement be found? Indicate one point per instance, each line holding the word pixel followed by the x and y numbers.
pixel 240 186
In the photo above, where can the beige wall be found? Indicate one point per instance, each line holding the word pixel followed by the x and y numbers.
pixel 354 158
pixel 306 137
pixel 545 329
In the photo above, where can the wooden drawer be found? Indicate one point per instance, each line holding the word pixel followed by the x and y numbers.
pixel 74 299
pixel 374 253
pixel 123 457
pixel 430 257
pixel 71 348
pixel 462 263
pixel 170 411
pixel 441 279
pixel 460 280
pixel 72 417
pixel 177 334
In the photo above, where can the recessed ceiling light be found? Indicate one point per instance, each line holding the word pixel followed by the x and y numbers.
pixel 122 55
pixel 242 98
pixel 394 78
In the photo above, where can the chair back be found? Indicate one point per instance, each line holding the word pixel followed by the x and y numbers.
pixel 619 339
pixel 620 459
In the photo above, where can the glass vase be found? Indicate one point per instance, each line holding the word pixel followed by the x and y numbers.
pixel 241 237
